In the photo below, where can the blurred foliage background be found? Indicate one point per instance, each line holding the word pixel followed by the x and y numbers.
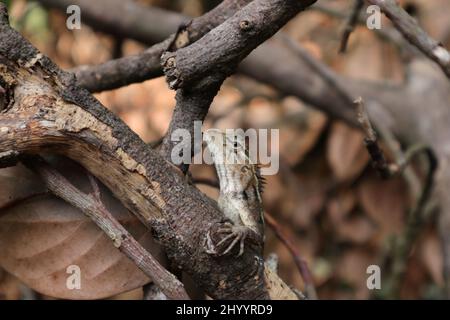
pixel 340 215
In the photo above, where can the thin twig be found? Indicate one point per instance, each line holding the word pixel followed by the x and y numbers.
pixel 350 24
pixel 301 264
pixel 152 292
pixel 417 217
pixel 386 33
pixel 20 200
pixel 376 153
pixel 93 207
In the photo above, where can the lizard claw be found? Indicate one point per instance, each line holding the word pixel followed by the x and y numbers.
pixel 237 234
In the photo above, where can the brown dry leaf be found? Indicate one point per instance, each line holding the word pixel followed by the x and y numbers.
pixel 136 294
pixel 9 286
pixel 286 265
pixel 356 229
pixel 415 278
pixel 351 268
pixel 303 194
pixel 364 46
pixel 260 112
pixel 233 120
pixel 385 202
pixel 42 236
pixel 226 100
pixel 346 152
pixel 340 205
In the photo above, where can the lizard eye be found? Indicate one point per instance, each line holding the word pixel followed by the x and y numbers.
pixel 244 169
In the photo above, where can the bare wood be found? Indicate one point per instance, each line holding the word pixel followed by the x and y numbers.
pixel 146 65
pixel 93 207
pixel 197 71
pixel 49 113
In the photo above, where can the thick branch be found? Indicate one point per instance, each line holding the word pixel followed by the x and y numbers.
pixel 124 19
pixel 146 65
pixel 198 70
pixel 50 114
pixel 92 206
pixel 218 53
pixel 301 264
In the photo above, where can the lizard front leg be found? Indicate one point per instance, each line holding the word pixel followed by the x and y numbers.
pixel 232 235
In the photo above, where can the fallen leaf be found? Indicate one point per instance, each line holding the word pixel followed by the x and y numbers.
pixel 430 253
pixel 385 202
pixel 346 152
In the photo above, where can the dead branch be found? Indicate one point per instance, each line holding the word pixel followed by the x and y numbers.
pixel 386 33
pixel 49 113
pixel 350 24
pixel 93 207
pixel 417 216
pixel 197 71
pixel 414 111
pixel 146 65
pixel 125 19
pixel 301 264
pixel 412 32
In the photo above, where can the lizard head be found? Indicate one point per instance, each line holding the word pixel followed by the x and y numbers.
pixel 226 148
pixel 230 156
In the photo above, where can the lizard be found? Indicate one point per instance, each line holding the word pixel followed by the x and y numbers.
pixel 240 191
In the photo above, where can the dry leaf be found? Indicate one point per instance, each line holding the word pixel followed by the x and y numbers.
pixel 9 286
pixel 351 268
pixel 356 229
pixel 346 152
pixel 385 202
pixel 299 130
pixel 340 205
pixel 42 236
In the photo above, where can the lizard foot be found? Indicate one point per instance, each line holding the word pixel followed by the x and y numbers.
pixel 233 233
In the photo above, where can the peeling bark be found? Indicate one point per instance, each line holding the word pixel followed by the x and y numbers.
pixel 49 113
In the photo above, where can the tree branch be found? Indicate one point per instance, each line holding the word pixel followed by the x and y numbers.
pixel 93 207
pixel 49 113
pixel 417 216
pixel 301 264
pixel 412 32
pixel 198 70
pixel 124 19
